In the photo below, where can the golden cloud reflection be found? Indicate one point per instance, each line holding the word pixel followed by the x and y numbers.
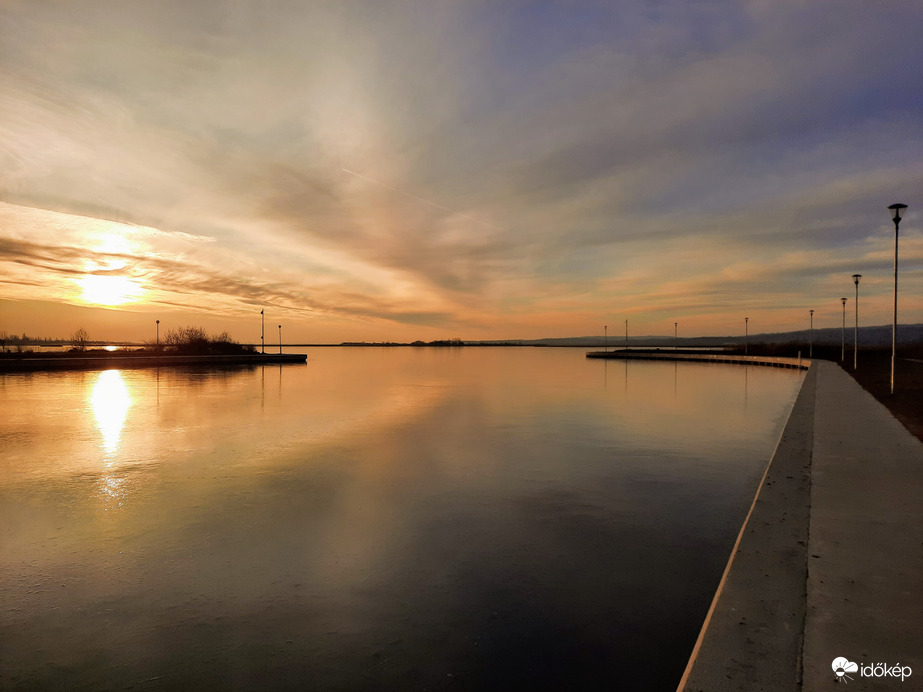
pixel 110 400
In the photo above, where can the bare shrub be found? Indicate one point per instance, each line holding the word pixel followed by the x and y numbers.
pixel 197 341
pixel 80 339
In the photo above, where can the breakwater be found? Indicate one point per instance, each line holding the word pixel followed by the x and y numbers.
pixel 769 361
pixel 823 583
pixel 106 361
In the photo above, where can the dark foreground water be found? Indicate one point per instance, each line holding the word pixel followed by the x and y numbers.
pixel 379 519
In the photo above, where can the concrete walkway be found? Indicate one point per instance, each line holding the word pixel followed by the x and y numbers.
pixel 865 553
pixel 829 563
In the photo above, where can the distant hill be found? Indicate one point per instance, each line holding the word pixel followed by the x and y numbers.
pixel 868 336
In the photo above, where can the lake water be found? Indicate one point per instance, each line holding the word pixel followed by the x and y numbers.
pixel 377 519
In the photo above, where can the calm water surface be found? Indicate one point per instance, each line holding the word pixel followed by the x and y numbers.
pixel 378 519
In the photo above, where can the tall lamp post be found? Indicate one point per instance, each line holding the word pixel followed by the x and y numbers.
pixel 897 211
pixel 674 335
pixel 626 333
pixel 280 339
pixel 855 350
pixel 843 351
pixel 746 335
pixel 262 332
pixel 606 337
pixel 157 342
pixel 811 342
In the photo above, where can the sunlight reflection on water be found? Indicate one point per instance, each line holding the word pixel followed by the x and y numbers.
pixel 110 401
pixel 376 519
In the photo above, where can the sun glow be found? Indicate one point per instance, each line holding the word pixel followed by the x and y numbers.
pixel 109 290
pixel 103 283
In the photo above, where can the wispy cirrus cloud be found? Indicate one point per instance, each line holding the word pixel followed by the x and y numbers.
pixel 463 164
pixel 173 273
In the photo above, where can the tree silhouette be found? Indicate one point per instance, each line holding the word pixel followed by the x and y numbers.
pixel 80 338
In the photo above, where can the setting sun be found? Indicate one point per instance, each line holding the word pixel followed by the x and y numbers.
pixel 101 284
pixel 109 290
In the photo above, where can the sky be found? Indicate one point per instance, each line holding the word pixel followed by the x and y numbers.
pixel 391 171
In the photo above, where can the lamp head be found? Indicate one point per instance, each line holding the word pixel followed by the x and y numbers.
pixel 856 278
pixel 844 301
pixel 897 211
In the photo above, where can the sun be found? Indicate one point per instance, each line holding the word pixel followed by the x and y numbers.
pixel 109 290
pixel 103 284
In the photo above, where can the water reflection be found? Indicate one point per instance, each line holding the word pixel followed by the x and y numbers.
pixel 388 518
pixel 110 401
pixel 746 384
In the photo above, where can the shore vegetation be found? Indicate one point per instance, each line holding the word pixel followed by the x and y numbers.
pixel 80 339
pixel 196 341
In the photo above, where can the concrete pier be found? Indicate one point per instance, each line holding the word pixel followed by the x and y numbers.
pixel 771 361
pixel 829 562
pixel 115 360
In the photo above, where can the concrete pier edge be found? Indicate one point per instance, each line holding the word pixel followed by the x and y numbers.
pixel 751 636
pixel 828 562
pixel 33 364
pixel 768 361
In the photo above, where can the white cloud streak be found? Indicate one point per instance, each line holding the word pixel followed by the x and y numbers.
pixel 547 164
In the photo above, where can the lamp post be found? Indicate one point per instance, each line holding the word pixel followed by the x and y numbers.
pixel 811 342
pixel 674 335
pixel 626 333
pixel 855 350
pixel 280 339
pixel 897 210
pixel 157 342
pixel 262 332
pixel 843 351
pixel 746 335
pixel 606 337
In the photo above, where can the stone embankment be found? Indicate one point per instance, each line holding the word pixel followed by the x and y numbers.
pixel 719 357
pixel 828 565
pixel 104 362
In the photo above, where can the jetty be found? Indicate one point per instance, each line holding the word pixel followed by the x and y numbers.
pixel 828 565
pixel 700 357
pixel 129 359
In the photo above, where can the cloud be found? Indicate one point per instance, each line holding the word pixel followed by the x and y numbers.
pixel 506 155
pixel 174 273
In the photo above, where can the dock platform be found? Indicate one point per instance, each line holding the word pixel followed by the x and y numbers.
pixel 770 361
pixel 107 361
pixel 829 562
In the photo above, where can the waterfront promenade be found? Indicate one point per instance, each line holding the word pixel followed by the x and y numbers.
pixel 829 562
